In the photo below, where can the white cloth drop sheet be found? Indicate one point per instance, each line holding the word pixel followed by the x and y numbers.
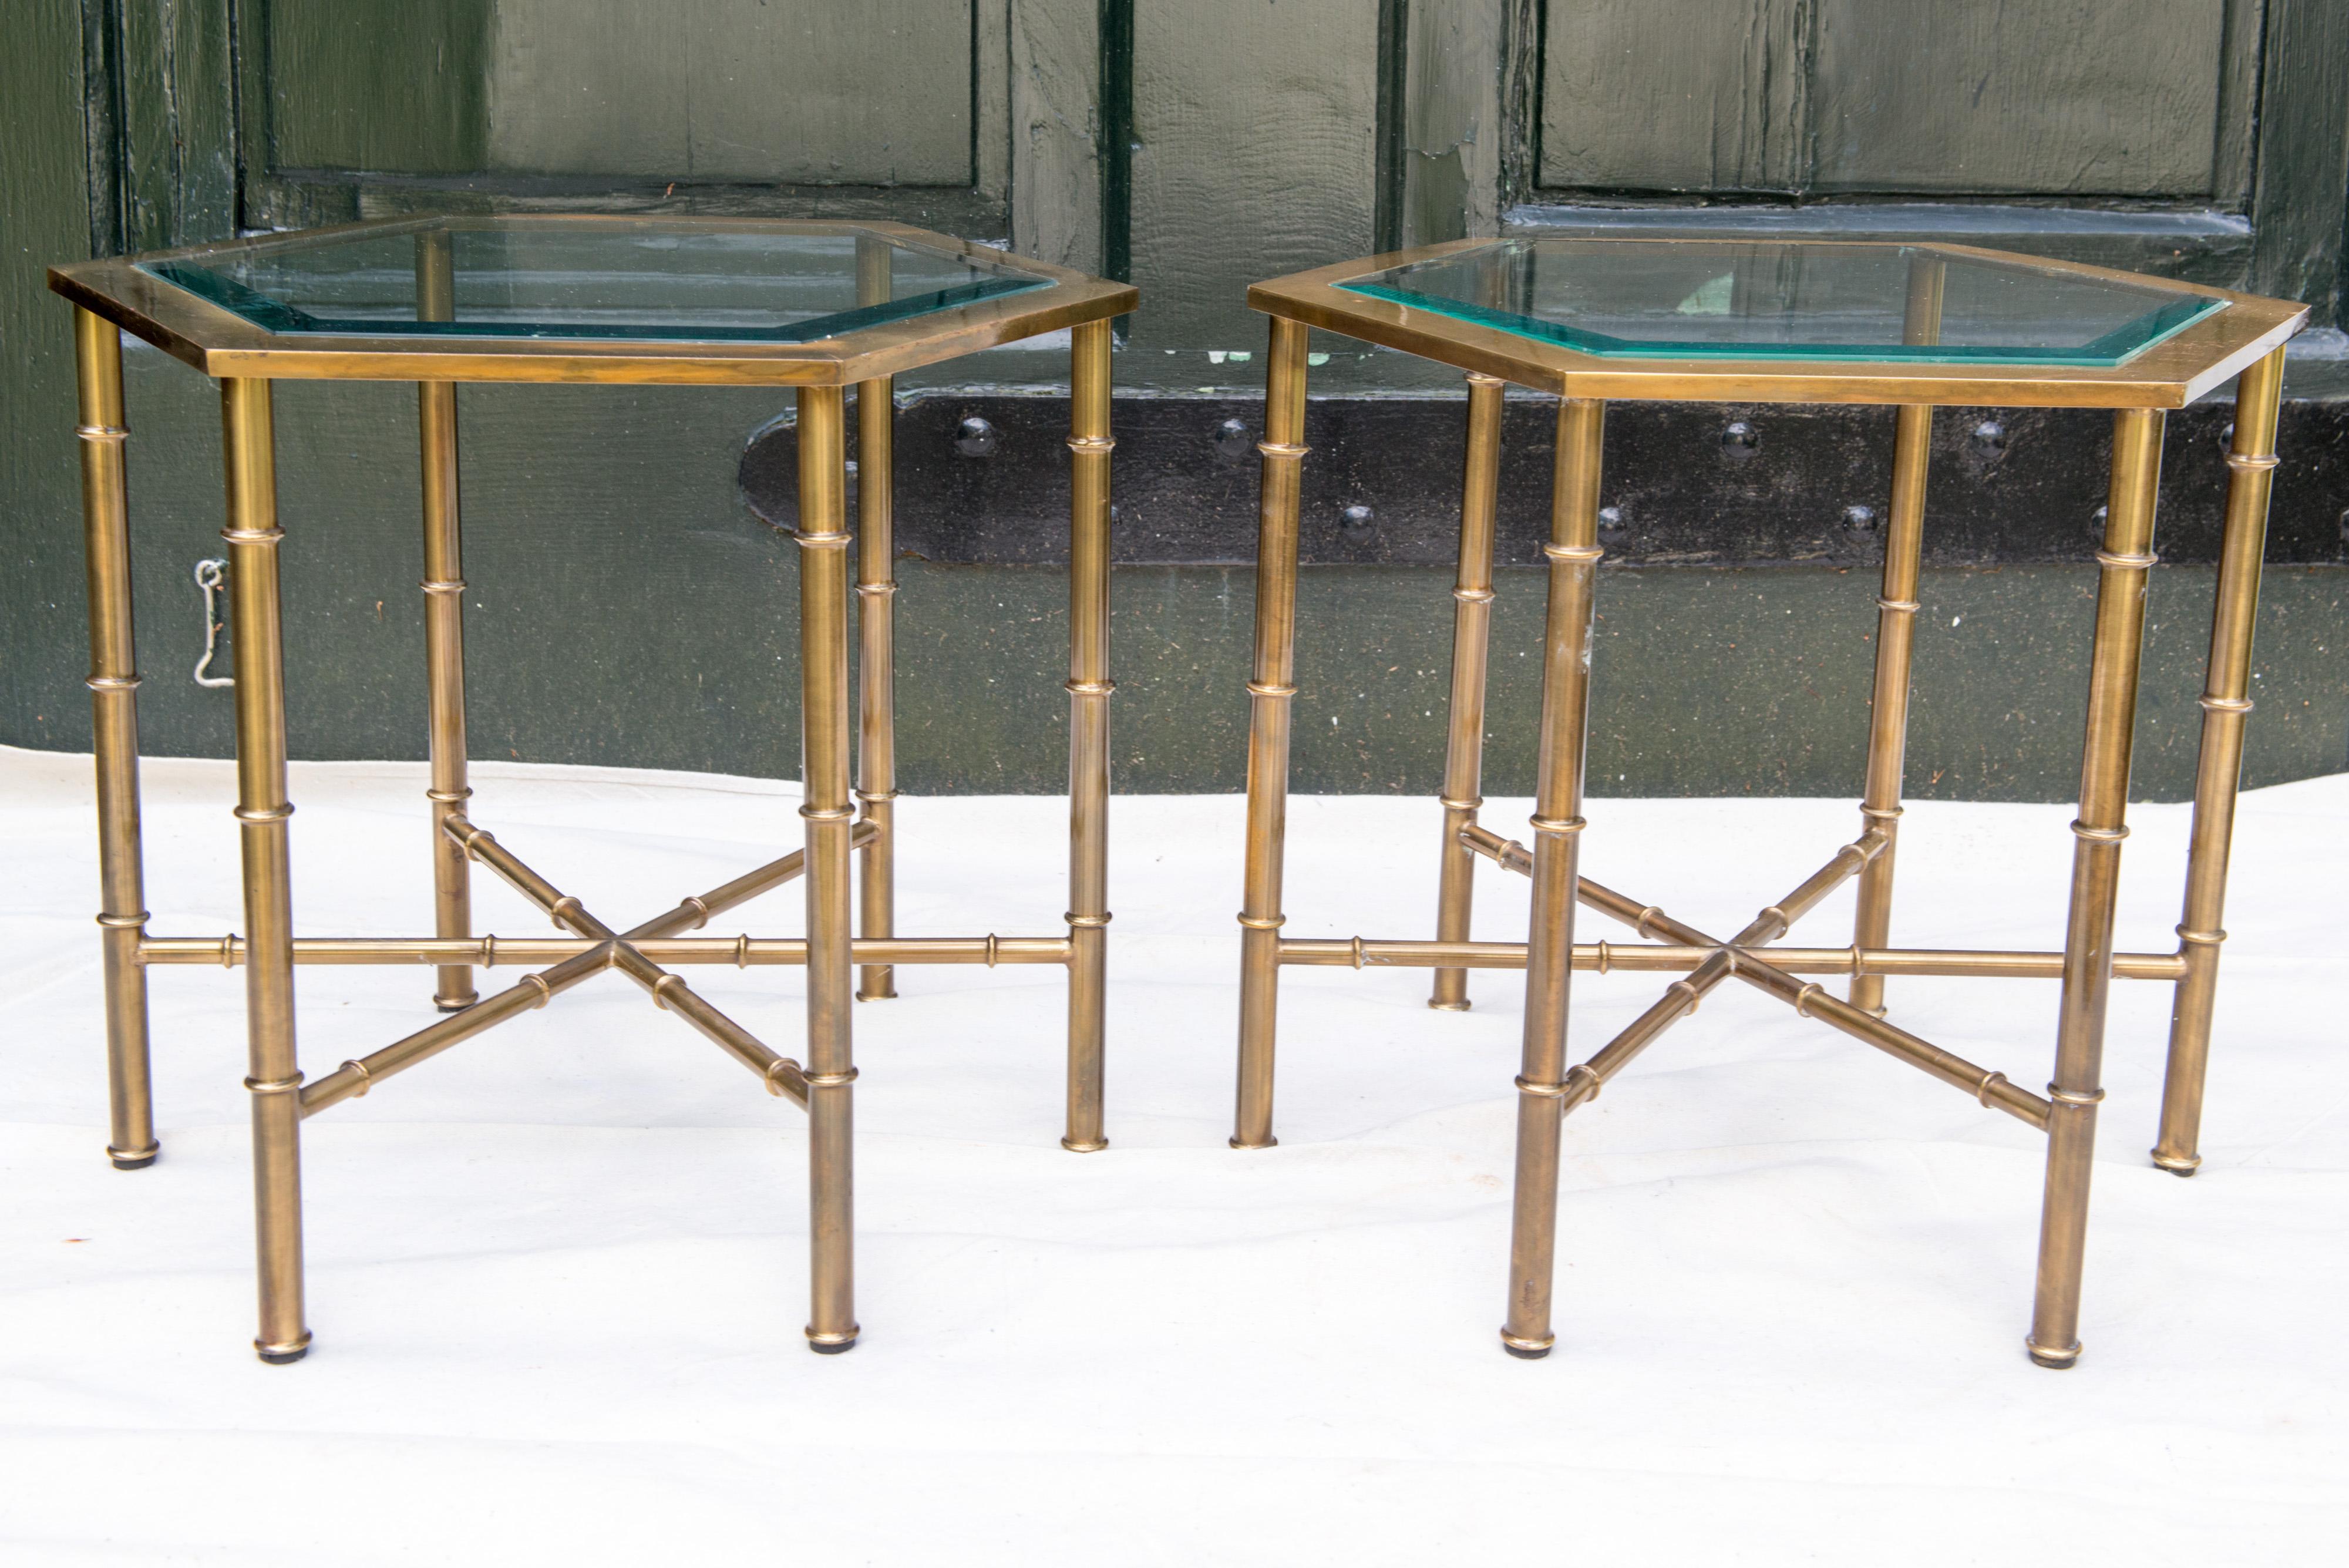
pixel 558 1275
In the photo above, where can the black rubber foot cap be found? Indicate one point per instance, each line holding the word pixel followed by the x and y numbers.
pixel 1524 1353
pixel 832 1349
pixel 141 1163
pixel 283 1357
pixel 2056 1363
pixel 2181 1172
pixel 440 1006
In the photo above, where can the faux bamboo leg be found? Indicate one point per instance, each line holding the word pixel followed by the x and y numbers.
pixel 262 811
pixel 876 631
pixel 2125 560
pixel 2226 704
pixel 444 626
pixel 114 726
pixel 1089 693
pixel 1573 553
pixel 1269 690
pixel 830 825
pixel 1472 621
pixel 1888 721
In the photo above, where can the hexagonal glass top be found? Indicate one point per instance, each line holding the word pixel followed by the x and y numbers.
pixel 650 280
pixel 1790 300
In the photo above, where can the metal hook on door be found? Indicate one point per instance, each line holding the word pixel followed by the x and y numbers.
pixel 211 576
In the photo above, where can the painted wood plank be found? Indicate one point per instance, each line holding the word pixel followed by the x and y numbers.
pixel 1055 104
pixel 372 84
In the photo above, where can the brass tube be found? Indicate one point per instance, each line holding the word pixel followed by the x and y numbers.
pixel 355 1078
pixel 743 952
pixel 671 994
pixel 1506 853
pixel 1573 551
pixel 560 908
pixel 101 432
pixel 1896 636
pixel 690 914
pixel 877 631
pixel 2226 705
pixel 829 819
pixel 444 622
pixel 1472 621
pixel 249 459
pixel 1089 688
pixel 2124 563
pixel 1647 957
pixel 1270 688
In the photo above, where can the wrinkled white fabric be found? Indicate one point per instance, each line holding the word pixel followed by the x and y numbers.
pixel 557 1276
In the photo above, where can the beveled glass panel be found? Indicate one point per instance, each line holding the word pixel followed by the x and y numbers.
pixel 1687 299
pixel 650 280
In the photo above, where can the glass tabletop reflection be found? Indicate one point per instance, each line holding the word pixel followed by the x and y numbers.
pixel 1694 300
pixel 650 280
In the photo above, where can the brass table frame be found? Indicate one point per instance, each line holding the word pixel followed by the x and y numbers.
pixel 246 359
pixel 2244 340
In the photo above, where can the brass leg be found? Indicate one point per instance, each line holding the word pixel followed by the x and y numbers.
pixel 1089 693
pixel 2226 704
pixel 275 1080
pixel 877 681
pixel 1269 690
pixel 1472 619
pixel 1888 722
pixel 444 630
pixel 2126 558
pixel 830 825
pixel 1573 553
pixel 114 727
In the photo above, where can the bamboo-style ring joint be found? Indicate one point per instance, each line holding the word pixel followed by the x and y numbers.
pixel 1270 689
pixel 1880 813
pixel 489 952
pixel 1473 596
pixel 1276 449
pixel 2251 460
pixel 1605 953
pixel 367 1079
pixel 1570 554
pixel 743 951
pixel 448 585
pixel 2081 1097
pixel 564 911
pixel 1473 803
pixel 2201 938
pixel 1639 923
pixel 2099 835
pixel 449 796
pixel 2226 704
pixel 828 813
pixel 124 922
pixel 260 536
pixel 1557 824
pixel 1540 1091
pixel 839 1080
pixel 1786 921
pixel 661 985
pixel 113 683
pixel 262 813
pixel 1803 997
pixel 1982 1090
pixel 1695 996
pixel 275 1086
pixel 2126 563
pixel 1092 444
pixel 1899 607
pixel 700 911
pixel 780 1064
pixel 823 541
pixel 1264 922
pixel 1089 688
pixel 545 991
pixel 876 797
pixel 876 590
pixel 1088 921
pixel 102 433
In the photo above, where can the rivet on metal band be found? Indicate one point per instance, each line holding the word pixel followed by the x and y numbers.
pixel 102 433
pixel 2075 1097
pixel 367 1079
pixel 275 1086
pixel 262 813
pixel 828 813
pixel 2099 835
pixel 839 1080
pixel 113 683
pixel 1089 688
pixel 1267 689
pixel 2226 704
pixel 1275 449
pixel 2126 563
pixel 1104 444
pixel 1262 922
pixel 1982 1090
pixel 1093 920
pixel 2201 938
pixel 1555 823
pixel 2244 460
pixel 1573 552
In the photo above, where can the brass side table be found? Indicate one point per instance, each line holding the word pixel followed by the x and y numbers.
pixel 1914 327
pixel 815 306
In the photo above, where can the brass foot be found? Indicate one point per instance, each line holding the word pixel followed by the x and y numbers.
pixel 2054 1360
pixel 1094 1147
pixel 1269 1143
pixel 889 995
pixel 2178 1163
pixel 832 1344
pixel 137 1161
pixel 1448 1006
pixel 456 1004
pixel 1527 1349
pixel 283 1354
